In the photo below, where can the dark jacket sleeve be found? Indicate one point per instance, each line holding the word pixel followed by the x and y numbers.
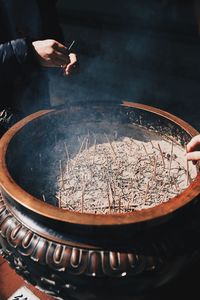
pixel 15 56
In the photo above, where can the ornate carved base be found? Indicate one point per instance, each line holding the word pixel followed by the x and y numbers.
pixel 68 254
pixel 67 272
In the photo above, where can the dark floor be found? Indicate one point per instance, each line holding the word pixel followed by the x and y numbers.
pixel 184 288
pixel 10 282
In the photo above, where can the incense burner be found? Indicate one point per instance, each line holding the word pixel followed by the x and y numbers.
pixel 81 254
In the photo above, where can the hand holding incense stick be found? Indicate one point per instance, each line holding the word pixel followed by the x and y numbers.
pixel 73 64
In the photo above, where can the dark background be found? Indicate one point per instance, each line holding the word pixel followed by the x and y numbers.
pixel 145 51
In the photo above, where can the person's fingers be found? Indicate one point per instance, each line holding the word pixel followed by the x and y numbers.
pixel 195 141
pixel 60 48
pixel 51 53
pixel 73 58
pixel 195 155
pixel 57 59
pixel 72 65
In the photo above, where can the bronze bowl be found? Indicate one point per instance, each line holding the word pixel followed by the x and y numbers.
pixel 73 255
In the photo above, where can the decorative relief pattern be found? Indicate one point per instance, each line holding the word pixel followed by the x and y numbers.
pixel 53 267
pixel 72 260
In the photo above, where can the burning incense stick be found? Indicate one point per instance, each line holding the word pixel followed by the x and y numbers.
pixel 162 156
pixel 67 157
pixel 82 144
pixel 66 152
pixel 70 46
pixel 61 173
pixel 187 172
pixel 171 157
pixel 187 169
pixel 147 154
pixel 59 198
pixel 111 146
pixel 115 134
pixel 110 196
pixel 175 184
pixel 152 145
pixel 86 143
pixel 119 205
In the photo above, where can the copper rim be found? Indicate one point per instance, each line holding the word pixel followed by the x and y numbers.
pixel 36 205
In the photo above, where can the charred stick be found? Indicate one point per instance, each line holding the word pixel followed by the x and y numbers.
pixel 110 197
pixel 82 144
pixel 83 197
pixel 147 191
pixel 87 140
pixel 59 200
pixel 115 134
pixel 61 173
pixel 147 154
pixel 154 168
pixel 80 149
pixel 67 156
pixel 188 172
pixel 82 201
pixel 66 152
pixel 175 184
pixel 162 156
pixel 111 146
pixel 119 205
pixel 86 143
pixel 152 145
pixel 171 157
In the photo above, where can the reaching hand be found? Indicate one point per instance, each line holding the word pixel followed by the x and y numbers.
pixel 193 149
pixel 51 53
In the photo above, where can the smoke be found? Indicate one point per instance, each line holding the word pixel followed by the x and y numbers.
pixel 144 52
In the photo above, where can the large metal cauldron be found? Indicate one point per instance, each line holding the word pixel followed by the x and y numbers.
pixel 73 255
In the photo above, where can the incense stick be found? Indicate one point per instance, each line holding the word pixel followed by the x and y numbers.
pixel 171 157
pixel 111 146
pixel 67 157
pixel 147 191
pixel 175 184
pixel 162 156
pixel 71 45
pixel 145 149
pixel 110 198
pixel 61 173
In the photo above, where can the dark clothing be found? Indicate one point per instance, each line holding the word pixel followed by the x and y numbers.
pixel 23 83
